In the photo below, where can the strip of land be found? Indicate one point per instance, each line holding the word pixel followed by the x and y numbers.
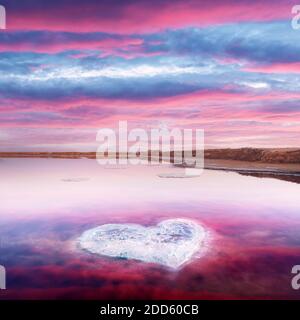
pixel 250 157
pixel 281 163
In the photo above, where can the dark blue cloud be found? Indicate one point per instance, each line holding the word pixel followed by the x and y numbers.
pixel 258 42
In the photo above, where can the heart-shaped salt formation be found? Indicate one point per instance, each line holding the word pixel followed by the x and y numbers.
pixel 171 243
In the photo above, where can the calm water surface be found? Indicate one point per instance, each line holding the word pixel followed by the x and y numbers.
pixel 46 204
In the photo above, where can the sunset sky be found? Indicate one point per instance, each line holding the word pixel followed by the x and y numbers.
pixel 68 68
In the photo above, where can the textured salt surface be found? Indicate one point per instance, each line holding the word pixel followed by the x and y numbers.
pixel 171 243
pixel 175 175
pixel 75 179
pixel 115 167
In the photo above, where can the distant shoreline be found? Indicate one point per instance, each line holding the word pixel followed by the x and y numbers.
pixel 283 164
pixel 253 155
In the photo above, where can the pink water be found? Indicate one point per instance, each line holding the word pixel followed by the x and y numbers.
pixel 46 204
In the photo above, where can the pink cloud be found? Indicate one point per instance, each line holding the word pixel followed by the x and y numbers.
pixel 144 16
pixel 289 67
pixel 109 45
pixel 217 106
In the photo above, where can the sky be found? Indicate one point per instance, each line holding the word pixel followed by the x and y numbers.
pixel 69 68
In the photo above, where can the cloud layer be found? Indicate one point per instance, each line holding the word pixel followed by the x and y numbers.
pixel 230 68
